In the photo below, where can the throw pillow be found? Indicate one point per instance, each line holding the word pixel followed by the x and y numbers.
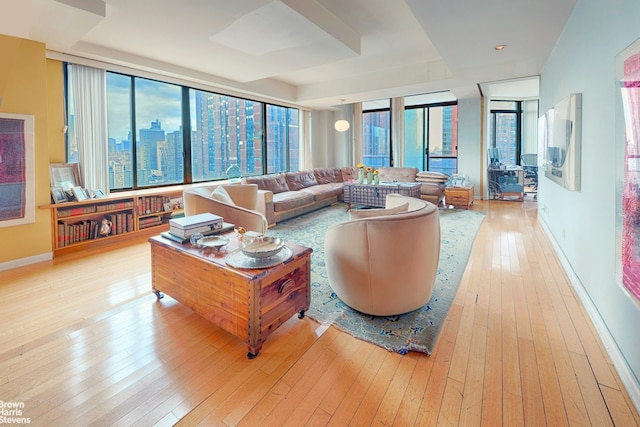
pixel 368 213
pixel 435 177
pixel 221 195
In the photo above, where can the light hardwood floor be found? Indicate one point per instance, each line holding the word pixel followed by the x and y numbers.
pixel 85 342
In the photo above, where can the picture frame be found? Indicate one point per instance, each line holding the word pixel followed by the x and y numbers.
pixel 65 175
pixel 628 171
pixel 78 193
pixel 58 195
pixel 99 194
pixel 17 183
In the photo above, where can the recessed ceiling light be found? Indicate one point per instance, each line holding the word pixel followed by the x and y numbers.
pixel 500 47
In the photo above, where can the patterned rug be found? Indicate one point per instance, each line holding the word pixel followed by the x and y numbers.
pixel 414 331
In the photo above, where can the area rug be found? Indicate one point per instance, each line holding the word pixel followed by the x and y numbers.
pixel 414 331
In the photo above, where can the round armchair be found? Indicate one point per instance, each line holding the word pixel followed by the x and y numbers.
pixel 385 262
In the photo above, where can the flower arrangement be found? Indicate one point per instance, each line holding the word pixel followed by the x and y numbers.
pixel 368 173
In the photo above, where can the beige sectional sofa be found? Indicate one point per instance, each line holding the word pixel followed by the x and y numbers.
pixel 286 195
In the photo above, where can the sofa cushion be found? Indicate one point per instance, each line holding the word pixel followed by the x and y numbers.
pixel 221 195
pixel 325 191
pixel 349 173
pixel 328 175
pixel 290 200
pixel 428 176
pixel 299 180
pixel 276 183
pixel 432 188
pixel 398 174
pixel 368 213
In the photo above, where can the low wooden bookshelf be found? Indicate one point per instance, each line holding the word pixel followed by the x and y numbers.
pixel 77 225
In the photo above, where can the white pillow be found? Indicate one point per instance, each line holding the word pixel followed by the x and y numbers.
pixel 368 213
pixel 221 195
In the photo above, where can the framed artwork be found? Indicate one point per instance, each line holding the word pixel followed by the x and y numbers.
pixel 17 170
pixel 65 175
pixel 79 194
pixel 58 195
pixel 563 142
pixel 628 174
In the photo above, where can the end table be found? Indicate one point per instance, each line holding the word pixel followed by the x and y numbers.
pixel 459 197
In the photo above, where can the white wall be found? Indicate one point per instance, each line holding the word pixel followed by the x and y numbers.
pixel 583 222
pixel 469 141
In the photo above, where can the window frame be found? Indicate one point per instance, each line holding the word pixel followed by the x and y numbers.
pixel 187 177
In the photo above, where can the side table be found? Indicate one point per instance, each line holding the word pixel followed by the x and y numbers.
pixel 459 197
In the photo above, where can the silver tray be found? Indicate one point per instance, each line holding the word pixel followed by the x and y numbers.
pixel 212 241
pixel 237 259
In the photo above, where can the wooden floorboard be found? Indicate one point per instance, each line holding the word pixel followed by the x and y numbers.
pixel 85 342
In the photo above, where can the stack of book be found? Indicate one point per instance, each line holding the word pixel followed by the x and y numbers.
pixel 181 229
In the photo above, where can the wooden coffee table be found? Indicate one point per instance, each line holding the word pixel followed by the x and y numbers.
pixel 248 303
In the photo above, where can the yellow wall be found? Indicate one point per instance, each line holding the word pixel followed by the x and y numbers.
pixel 31 84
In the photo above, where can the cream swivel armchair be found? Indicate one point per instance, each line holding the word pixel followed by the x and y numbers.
pixel 235 203
pixel 384 261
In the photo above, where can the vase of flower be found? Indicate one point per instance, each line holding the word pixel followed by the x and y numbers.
pixel 360 175
pixel 376 178
pixel 369 177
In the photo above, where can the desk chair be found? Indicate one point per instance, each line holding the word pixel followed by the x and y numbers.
pixel 530 166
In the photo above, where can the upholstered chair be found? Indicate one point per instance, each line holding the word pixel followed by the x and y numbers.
pixel 384 261
pixel 235 203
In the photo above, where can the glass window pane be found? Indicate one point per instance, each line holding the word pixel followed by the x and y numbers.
pixel 283 139
pixel 505 136
pixel 225 131
pixel 376 138
pixel 72 142
pixel 443 139
pixel 159 146
pixel 293 116
pixel 414 138
pixel 119 131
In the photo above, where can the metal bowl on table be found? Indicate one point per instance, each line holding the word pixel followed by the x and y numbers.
pixel 264 247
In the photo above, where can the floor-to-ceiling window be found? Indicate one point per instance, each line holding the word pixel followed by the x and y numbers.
pixel 376 133
pixel 162 133
pixel 505 133
pixel 431 135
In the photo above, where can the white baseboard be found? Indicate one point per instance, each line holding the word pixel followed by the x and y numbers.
pixel 626 375
pixel 26 261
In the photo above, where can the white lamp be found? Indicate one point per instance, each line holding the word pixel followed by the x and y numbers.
pixel 342 125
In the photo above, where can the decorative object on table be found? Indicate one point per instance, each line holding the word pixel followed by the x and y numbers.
pixel 263 247
pixel 414 331
pixel 234 173
pixel 17 173
pixel 200 223
pixel 369 175
pixel 238 259
pixel 360 167
pixel 376 177
pixel 215 242
pixel 226 227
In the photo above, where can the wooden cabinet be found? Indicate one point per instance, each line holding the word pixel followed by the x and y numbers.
pixel 248 303
pixel 459 197
pixel 100 222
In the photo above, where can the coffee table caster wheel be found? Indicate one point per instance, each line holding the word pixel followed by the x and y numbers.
pixel 301 314
pixel 159 294
pixel 251 356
